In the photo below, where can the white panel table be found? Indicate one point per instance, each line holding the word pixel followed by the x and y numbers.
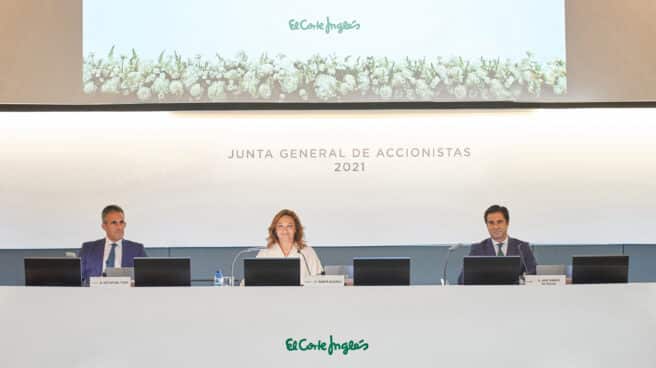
pixel 418 326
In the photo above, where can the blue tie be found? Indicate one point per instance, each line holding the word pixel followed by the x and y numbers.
pixel 112 255
pixel 500 246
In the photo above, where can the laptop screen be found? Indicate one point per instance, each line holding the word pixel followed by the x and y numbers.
pixel 272 271
pixel 165 271
pixel 600 269
pixel 491 270
pixel 379 271
pixel 52 271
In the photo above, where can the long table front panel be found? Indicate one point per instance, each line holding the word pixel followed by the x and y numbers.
pixel 418 326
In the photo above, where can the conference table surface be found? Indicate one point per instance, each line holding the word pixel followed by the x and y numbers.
pixel 417 326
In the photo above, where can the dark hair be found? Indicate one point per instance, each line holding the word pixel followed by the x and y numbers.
pixel 496 208
pixel 109 209
pixel 298 235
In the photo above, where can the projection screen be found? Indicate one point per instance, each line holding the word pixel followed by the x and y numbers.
pixel 292 52
pixel 337 51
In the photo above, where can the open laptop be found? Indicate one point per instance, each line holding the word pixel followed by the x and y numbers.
pixel 272 272
pixel 491 270
pixel 379 271
pixel 600 269
pixel 551 270
pixel 162 271
pixel 52 271
pixel 120 272
pixel 345 270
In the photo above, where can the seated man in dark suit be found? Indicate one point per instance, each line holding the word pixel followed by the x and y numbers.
pixel 497 219
pixel 113 250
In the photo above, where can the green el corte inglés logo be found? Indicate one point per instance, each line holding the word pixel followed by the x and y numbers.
pixel 323 25
pixel 331 346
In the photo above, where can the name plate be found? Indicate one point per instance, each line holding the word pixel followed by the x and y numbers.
pixel 544 280
pixel 324 281
pixel 110 282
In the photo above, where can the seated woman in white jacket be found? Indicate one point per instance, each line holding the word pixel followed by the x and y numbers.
pixel 286 240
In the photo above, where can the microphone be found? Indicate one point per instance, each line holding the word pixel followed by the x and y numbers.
pixel 234 260
pixel 446 261
pixel 307 267
pixel 455 246
pixel 521 258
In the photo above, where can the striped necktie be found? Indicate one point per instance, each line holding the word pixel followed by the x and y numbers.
pixel 500 248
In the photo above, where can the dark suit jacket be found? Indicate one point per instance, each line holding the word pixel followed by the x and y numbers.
pixel 91 256
pixel 516 247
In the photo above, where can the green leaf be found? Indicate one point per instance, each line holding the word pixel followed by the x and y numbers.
pixel 134 59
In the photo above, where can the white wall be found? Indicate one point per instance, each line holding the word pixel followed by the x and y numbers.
pixel 568 176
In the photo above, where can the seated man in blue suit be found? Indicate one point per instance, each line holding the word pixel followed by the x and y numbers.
pixel 497 219
pixel 113 250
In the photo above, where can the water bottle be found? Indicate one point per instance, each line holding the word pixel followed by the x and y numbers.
pixel 218 278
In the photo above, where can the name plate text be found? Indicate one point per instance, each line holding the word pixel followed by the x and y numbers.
pixel 545 280
pixel 324 281
pixel 114 281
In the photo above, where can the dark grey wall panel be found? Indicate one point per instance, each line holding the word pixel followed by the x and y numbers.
pixel 426 261
pixel 158 252
pixel 562 254
pixel 12 271
pixel 642 262
pixel 206 261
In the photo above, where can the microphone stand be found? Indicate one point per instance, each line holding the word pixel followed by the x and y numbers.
pixel 446 262
pixel 521 279
pixel 234 260
pixel 307 267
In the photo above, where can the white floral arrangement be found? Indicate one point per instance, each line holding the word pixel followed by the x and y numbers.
pixel 320 78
